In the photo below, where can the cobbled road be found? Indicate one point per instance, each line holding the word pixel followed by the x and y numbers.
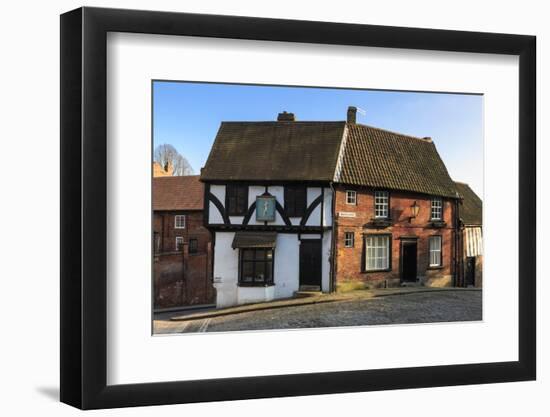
pixel 423 307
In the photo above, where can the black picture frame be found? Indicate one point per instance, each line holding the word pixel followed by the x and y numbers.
pixel 84 207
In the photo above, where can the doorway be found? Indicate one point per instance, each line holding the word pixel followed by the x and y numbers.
pixel 310 263
pixel 408 260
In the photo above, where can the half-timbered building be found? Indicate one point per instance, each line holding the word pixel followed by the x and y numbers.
pixel 318 205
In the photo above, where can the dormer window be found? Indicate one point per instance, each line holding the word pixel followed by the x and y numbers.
pixel 381 204
pixel 437 209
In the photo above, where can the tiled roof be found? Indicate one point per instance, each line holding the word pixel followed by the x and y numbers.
pixel 471 209
pixel 380 158
pixel 281 151
pixel 178 193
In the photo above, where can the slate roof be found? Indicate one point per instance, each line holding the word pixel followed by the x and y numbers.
pixel 178 193
pixel 471 209
pixel 281 151
pixel 380 158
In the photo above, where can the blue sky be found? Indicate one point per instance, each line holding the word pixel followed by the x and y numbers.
pixel 188 115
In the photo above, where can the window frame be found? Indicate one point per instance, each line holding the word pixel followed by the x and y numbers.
pixel 235 189
pixel 348 194
pixel 440 265
pixel 255 261
pixel 432 207
pixel 193 245
pixel 178 238
pixel 179 216
pixel 346 235
pixel 291 192
pixel 387 204
pixel 364 252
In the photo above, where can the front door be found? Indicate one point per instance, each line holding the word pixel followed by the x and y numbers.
pixel 470 271
pixel 408 261
pixel 310 262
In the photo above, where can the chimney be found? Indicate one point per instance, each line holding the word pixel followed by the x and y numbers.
pixel 286 117
pixel 352 114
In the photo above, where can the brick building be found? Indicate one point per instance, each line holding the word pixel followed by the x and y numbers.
pixel 395 211
pixel 326 205
pixel 181 243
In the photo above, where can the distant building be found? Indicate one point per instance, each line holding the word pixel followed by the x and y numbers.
pixel 160 171
pixel 181 244
pixel 319 205
pixel 471 228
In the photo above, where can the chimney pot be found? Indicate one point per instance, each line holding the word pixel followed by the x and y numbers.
pixel 352 114
pixel 286 117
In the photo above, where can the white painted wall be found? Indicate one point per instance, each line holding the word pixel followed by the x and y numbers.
pixel 214 215
pixel 247 295
pixel 226 269
pixel 326 247
pixel 278 191
pixel 315 217
pixel 327 209
pixel 286 268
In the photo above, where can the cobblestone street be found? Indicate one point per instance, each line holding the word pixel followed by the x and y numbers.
pixel 420 307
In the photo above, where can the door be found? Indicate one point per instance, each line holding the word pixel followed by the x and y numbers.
pixel 471 271
pixel 408 261
pixel 310 262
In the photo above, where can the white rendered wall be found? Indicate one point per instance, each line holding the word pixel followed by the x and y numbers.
pixel 278 192
pixel 253 192
pixel 327 208
pixel 247 295
pixel 226 269
pixel 214 215
pixel 325 259
pixel 315 217
pixel 287 267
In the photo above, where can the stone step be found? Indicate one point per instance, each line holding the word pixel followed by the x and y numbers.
pixel 305 294
pixel 309 288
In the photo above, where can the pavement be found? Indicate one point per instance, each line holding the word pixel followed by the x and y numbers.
pixel 359 308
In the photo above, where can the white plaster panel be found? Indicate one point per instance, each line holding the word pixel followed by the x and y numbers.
pixel 278 191
pixel 286 268
pixel 327 208
pixel 214 215
pixel 226 269
pixel 325 259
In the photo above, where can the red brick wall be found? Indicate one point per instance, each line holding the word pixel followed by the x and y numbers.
pixel 349 260
pixel 164 226
pixel 182 278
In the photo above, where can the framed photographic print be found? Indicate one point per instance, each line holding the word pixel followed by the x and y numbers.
pixel 256 208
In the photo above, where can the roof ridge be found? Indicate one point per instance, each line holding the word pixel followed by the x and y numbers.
pixel 283 122
pixel 424 139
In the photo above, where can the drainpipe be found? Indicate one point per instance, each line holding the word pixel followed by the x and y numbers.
pixel 333 256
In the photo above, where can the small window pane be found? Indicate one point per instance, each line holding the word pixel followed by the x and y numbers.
pixel 351 197
pixel 247 272
pixel 435 251
pixel 179 221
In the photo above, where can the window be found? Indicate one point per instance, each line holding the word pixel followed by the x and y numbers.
pixel 179 243
pixel 179 221
pixel 351 197
pixel 156 239
pixel 435 251
pixel 381 204
pixel 236 199
pixel 193 245
pixel 295 200
pixel 256 267
pixel 349 240
pixel 377 252
pixel 437 208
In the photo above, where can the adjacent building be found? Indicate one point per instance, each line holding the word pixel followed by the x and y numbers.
pixel 182 267
pixel 317 205
pixel 471 225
